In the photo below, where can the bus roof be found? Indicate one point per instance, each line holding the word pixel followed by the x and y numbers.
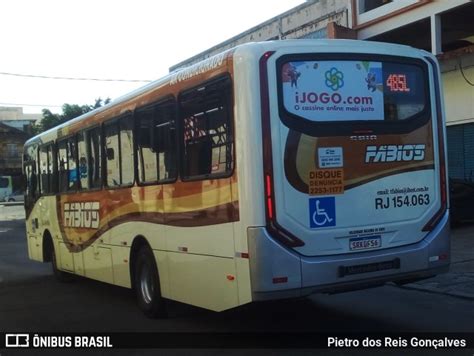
pixel 211 63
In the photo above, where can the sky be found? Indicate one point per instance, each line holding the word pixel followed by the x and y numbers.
pixel 109 39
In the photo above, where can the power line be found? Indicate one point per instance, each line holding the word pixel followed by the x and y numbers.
pixel 72 78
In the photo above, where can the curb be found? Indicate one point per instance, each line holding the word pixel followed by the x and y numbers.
pixel 468 296
pixel 12 203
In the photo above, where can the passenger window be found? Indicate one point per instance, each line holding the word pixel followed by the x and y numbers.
pixel 53 180
pixel 32 179
pixel 147 158
pixel 45 175
pixel 166 143
pixel 83 161
pixel 206 116
pixel 62 166
pixel 73 179
pixel 126 150
pixel 93 138
pixel 156 143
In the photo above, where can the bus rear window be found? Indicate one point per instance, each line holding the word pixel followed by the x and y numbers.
pixel 352 90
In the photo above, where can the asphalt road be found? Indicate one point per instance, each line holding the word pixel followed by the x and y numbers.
pixel 31 300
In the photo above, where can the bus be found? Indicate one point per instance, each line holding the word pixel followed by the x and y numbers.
pixel 271 170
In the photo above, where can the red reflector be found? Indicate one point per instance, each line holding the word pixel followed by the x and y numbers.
pixel 269 185
pixel 277 280
pixel 230 277
pixel 270 208
pixel 242 254
pixel 443 256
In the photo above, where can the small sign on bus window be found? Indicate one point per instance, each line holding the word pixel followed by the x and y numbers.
pixel 330 157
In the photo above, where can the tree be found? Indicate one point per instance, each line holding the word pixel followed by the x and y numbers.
pixel 48 120
pixel 69 112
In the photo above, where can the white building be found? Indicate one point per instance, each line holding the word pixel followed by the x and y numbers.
pixel 14 117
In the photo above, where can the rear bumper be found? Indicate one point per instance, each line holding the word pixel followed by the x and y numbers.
pixel 306 275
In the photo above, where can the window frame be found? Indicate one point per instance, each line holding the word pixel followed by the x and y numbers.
pixel 105 124
pixel 52 179
pixel 101 147
pixel 85 139
pixel 117 121
pixel 14 152
pixel 152 106
pixel 389 9
pixel 131 116
pixel 58 141
pixel 75 188
pixel 229 106
pixel 30 162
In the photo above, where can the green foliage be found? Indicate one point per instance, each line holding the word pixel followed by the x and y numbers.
pixel 69 112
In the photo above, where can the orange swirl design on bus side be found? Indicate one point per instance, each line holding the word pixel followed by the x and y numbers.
pixel 180 204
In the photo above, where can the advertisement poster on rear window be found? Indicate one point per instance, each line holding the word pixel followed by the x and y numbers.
pixel 333 90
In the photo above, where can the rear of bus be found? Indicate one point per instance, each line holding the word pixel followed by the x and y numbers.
pixel 354 169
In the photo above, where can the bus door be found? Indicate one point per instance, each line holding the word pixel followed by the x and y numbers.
pixel 30 171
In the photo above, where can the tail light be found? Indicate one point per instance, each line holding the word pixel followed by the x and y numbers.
pixel 277 232
pixel 442 161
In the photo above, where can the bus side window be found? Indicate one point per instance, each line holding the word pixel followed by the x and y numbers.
pixel 206 116
pixel 126 150
pixel 146 150
pixel 83 163
pixel 4 182
pixel 44 167
pixel 165 138
pixel 30 189
pixel 73 180
pixel 53 174
pixel 112 155
pixel 62 166
pixel 94 149
pixel 27 177
pixel 156 143
pixel 32 179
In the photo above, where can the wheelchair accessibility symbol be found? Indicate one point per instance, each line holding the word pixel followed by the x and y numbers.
pixel 322 212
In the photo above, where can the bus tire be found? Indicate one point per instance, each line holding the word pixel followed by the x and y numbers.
pixel 147 285
pixel 61 276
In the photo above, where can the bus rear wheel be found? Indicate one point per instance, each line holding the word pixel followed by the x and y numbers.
pixel 61 276
pixel 147 285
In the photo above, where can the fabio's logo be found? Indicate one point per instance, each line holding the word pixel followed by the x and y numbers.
pixel 82 215
pixel 394 153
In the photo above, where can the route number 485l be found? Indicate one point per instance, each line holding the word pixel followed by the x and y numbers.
pixel 397 82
